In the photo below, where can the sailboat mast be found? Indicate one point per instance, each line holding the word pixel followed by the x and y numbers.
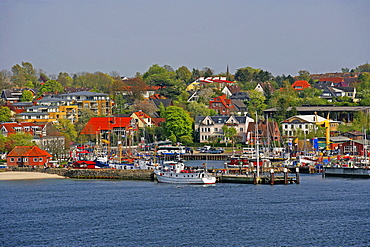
pixel 257 147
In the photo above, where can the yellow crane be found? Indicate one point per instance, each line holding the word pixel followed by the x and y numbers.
pixel 326 124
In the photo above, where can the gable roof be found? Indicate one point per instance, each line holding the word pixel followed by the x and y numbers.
pixel 332 79
pixel 27 151
pixel 300 85
pixel 306 119
pixel 323 84
pixel 165 102
pixel 239 105
pixel 97 124
pixel 234 88
pixel 223 119
pixel 13 126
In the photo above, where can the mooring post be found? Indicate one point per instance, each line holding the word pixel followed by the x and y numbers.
pixel 323 171
pixel 255 177
pixel 272 176
pixel 285 176
pixel 297 178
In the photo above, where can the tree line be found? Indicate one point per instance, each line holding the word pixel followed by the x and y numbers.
pixel 171 83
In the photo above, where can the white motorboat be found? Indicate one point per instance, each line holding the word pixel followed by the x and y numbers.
pixel 176 172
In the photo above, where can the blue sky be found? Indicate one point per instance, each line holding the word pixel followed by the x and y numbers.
pixel 282 37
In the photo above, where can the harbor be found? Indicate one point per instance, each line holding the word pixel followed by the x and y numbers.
pixel 242 176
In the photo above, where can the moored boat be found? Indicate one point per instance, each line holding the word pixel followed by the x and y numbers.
pixel 176 172
pixel 363 172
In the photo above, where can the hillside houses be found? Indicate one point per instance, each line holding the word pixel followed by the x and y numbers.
pixel 208 127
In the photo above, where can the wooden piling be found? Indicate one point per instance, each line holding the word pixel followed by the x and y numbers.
pixel 286 176
pixel 297 178
pixel 272 177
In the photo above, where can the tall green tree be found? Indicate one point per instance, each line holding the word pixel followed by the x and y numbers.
pixel 183 74
pixel 256 102
pixel 21 74
pixel 178 122
pixel 4 114
pixel 65 126
pixel 363 68
pixel 27 96
pixel 229 132
pixel 5 79
pixel 304 75
pixel 169 86
pixel 64 79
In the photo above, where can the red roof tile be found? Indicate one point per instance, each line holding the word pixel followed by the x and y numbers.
pixel 300 85
pixel 96 124
pixel 29 151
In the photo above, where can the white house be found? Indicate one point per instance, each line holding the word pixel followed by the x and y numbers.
pixel 211 126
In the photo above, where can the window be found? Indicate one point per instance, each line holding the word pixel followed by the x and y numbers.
pixel 19 159
pixel 241 129
pixel 40 159
pixel 11 159
pixel 25 159
pixel 34 159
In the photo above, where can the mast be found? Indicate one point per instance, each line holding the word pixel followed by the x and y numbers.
pixel 257 147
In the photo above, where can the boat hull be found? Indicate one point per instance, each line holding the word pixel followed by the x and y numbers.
pixel 347 172
pixel 184 178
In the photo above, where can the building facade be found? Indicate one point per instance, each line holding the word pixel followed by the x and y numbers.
pixel 209 127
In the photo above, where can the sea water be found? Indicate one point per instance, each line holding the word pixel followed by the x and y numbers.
pixel 68 212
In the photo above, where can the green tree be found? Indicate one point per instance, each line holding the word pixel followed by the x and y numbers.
pixel 183 74
pixel 19 139
pixel 196 109
pixel 229 132
pixel 43 77
pixel 178 122
pixel 27 96
pixel 29 84
pixel 51 86
pixel 64 79
pixel 23 74
pixel 363 68
pixel 256 102
pixel 245 75
pixel 169 86
pixel 207 72
pixel 304 75
pixel 65 126
pixel 5 79
pixel 98 80
pixel 4 114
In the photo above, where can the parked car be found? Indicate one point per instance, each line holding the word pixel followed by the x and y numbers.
pixel 215 151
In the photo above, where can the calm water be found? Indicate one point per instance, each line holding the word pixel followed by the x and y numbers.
pixel 65 212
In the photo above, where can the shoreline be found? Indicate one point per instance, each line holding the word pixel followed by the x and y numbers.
pixel 11 175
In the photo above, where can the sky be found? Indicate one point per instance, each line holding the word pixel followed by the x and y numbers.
pixel 128 36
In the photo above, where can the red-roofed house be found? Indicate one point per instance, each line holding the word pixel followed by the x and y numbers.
pixel 28 156
pixel 221 104
pixel 97 125
pixel 332 79
pixel 300 85
pixel 142 119
pixel 7 129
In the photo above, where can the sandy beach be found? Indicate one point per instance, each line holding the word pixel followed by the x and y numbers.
pixel 26 175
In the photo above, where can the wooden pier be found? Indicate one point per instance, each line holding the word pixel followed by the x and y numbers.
pixel 273 177
pixel 201 156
